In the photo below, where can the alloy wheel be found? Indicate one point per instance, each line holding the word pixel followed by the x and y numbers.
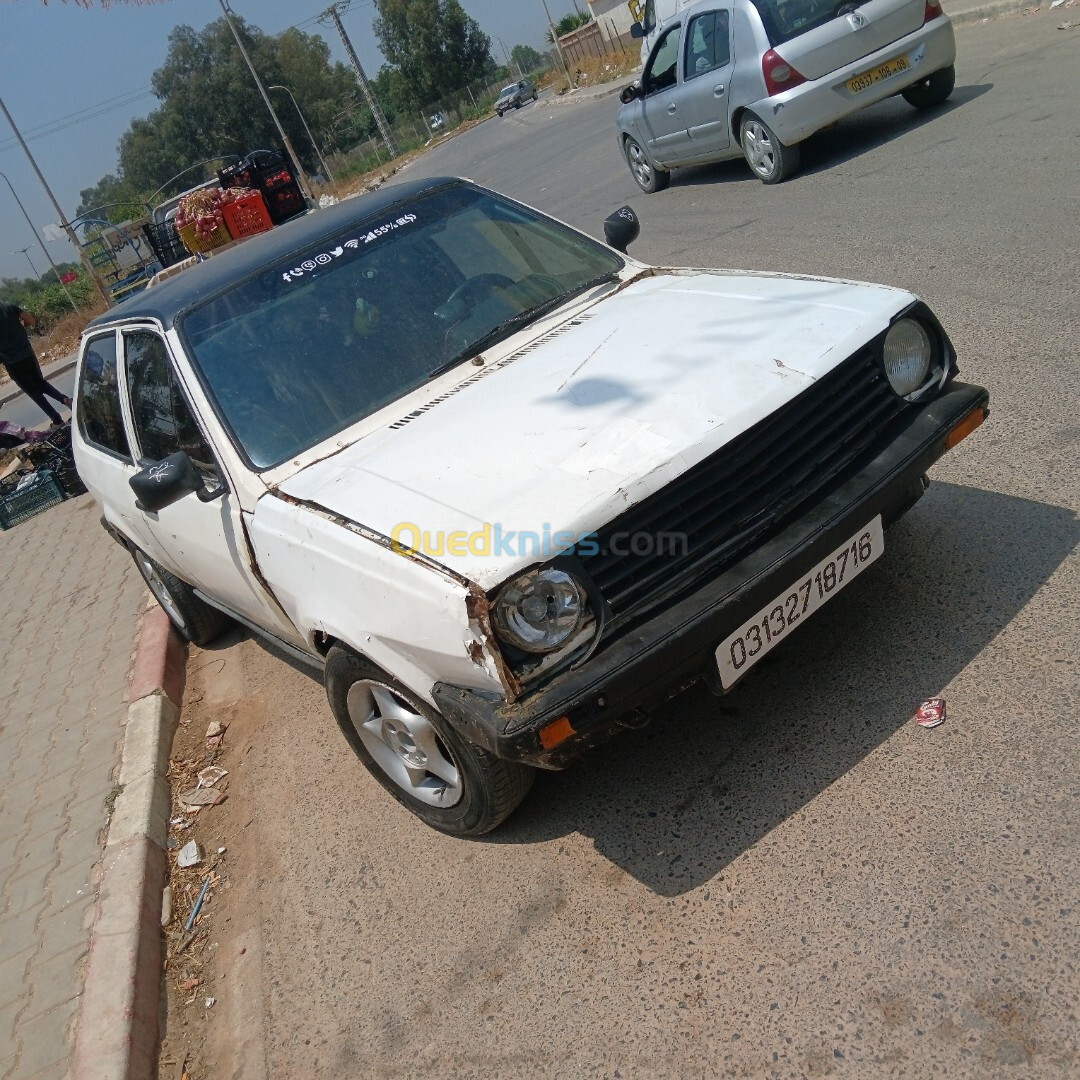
pixel 404 743
pixel 760 152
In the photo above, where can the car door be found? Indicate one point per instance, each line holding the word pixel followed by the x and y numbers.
pixel 703 97
pixel 203 543
pixel 664 126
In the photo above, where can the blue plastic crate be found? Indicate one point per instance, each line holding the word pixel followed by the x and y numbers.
pixel 38 494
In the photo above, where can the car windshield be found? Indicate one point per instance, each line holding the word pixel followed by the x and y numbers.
pixel 508 90
pixel 785 19
pixel 306 348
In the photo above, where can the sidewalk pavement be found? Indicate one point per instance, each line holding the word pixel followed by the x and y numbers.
pixel 71 602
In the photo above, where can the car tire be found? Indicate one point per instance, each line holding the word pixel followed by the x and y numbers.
pixel 431 769
pixel 499 113
pixel 932 90
pixel 648 177
pixel 770 160
pixel 194 619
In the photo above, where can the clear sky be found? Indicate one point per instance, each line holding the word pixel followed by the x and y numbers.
pixel 73 78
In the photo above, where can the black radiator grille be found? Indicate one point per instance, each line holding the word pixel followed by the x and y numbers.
pixel 728 503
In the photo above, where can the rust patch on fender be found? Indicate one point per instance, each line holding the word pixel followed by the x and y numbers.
pixel 479 611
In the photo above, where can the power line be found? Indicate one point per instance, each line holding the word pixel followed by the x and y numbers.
pixel 51 127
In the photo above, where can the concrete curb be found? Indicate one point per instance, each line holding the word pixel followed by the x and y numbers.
pixel 117 1034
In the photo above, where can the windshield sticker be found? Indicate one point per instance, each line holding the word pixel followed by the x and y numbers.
pixel 327 257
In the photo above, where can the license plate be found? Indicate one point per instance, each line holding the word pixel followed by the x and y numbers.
pixel 879 74
pixel 739 652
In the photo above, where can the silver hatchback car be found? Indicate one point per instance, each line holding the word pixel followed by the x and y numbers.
pixel 756 77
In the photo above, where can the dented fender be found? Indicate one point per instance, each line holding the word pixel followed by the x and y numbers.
pixel 337 579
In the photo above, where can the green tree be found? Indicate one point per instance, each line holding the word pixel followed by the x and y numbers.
pixel 527 58
pixel 211 109
pixel 569 23
pixel 434 45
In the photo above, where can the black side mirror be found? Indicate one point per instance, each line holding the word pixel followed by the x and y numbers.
pixel 637 31
pixel 621 229
pixel 629 94
pixel 168 481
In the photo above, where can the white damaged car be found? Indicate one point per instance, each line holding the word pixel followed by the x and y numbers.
pixel 506 486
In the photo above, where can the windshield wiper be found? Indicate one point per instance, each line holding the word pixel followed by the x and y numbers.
pixel 516 322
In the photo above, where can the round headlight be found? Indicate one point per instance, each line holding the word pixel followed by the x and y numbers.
pixel 540 611
pixel 908 353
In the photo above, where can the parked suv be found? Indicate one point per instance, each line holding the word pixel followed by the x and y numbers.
pixel 515 95
pixel 506 486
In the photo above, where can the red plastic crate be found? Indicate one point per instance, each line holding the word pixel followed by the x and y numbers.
pixel 247 216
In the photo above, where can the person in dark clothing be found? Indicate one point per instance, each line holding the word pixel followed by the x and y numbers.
pixel 17 355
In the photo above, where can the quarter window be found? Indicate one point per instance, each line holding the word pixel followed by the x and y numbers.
pixel 661 70
pixel 100 419
pixel 163 420
pixel 708 43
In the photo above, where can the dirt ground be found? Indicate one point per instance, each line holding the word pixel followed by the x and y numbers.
pixel 194 977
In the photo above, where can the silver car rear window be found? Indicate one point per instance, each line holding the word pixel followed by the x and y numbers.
pixel 786 19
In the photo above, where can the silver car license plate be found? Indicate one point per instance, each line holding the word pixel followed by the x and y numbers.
pixel 739 652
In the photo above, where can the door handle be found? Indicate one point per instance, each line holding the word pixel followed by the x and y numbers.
pixel 718 90
pixel 672 109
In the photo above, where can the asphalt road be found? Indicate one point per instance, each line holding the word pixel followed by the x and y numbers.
pixel 796 880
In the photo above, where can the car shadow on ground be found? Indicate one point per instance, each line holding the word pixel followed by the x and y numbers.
pixel 849 138
pixel 674 804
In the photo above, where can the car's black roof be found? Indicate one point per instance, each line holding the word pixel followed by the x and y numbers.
pixel 164 302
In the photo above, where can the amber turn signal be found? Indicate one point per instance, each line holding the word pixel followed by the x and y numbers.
pixel 556 732
pixel 964 428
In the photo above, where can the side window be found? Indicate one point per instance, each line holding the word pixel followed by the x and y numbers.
pixel 708 43
pixel 100 419
pixel 162 417
pixel 660 74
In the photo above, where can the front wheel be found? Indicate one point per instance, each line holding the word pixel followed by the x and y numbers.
pixel 416 755
pixel 196 620
pixel 649 178
pixel 770 160
pixel 932 90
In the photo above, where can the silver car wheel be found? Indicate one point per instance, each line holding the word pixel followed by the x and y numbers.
pixel 760 152
pixel 404 743
pixel 161 593
pixel 639 163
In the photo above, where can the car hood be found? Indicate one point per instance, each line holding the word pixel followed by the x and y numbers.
pixel 561 431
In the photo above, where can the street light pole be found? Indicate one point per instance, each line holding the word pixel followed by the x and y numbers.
pixel 64 223
pixel 59 279
pixel 300 178
pixel 558 47
pixel 311 138
pixel 26 251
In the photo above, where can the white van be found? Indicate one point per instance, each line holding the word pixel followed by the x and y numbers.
pixel 653 16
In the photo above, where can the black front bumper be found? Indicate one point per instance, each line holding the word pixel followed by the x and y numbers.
pixel 675 646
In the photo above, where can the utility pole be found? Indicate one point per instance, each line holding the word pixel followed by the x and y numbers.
pixel 311 138
pixel 301 179
pixel 56 206
pixel 59 279
pixel 380 120
pixel 558 47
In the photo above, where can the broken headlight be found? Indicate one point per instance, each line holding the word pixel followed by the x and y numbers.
pixel 540 611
